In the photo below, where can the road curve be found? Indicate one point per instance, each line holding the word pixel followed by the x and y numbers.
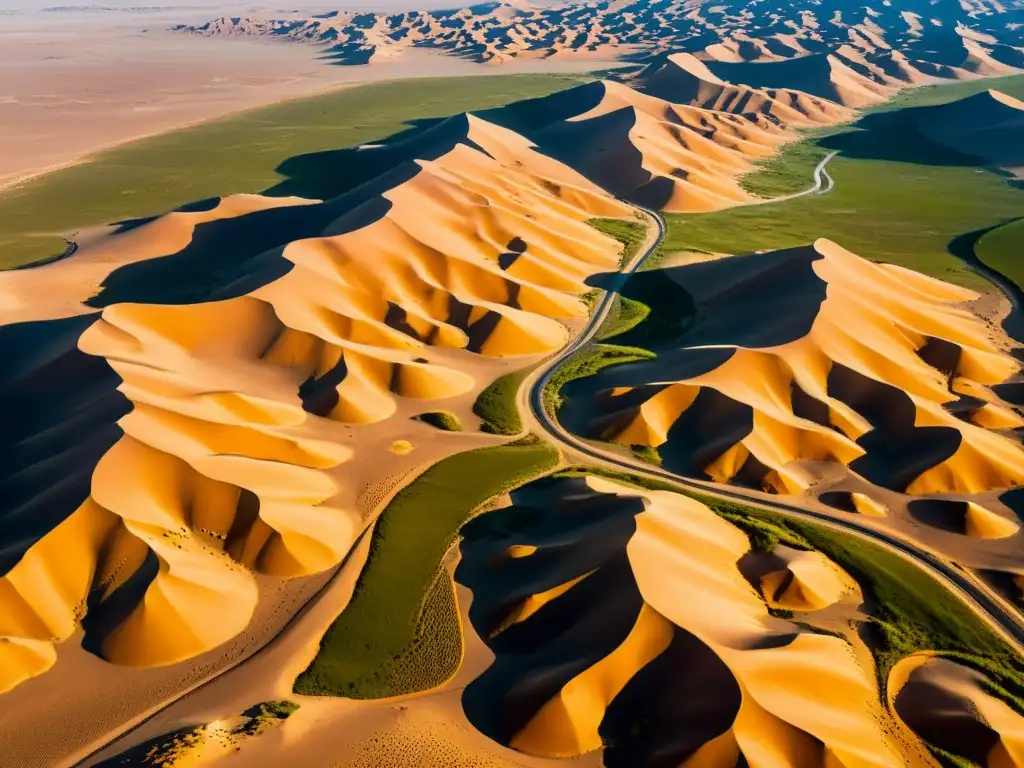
pixel 986 604
pixel 821 183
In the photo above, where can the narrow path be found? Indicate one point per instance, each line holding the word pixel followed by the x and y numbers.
pixel 986 604
pixel 820 178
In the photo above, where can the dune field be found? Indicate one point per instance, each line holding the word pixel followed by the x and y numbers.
pixel 785 532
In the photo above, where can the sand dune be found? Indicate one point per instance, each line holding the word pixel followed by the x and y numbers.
pixel 949 706
pixel 989 125
pixel 759 400
pixel 684 79
pixel 728 32
pixel 258 420
pixel 687 668
pixel 825 76
pixel 802 581
pixel 674 157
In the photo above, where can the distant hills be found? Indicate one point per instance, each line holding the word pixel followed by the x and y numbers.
pixel 942 38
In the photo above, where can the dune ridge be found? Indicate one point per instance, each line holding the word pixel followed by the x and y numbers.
pixel 679 621
pixel 989 125
pixel 913 375
pixel 954 39
pixel 947 705
pixel 256 419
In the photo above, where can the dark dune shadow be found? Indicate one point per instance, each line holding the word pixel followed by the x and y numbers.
pixel 681 700
pixel 709 427
pixel 106 615
pixel 330 173
pixel 896 451
pixel 962 247
pixel 756 300
pixel 59 407
pixel 841 500
pixel 220 253
pixel 945 514
pixel 895 136
pixel 199 206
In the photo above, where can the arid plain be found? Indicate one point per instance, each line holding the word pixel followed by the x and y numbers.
pixel 664 413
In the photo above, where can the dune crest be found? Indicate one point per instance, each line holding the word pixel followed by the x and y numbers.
pixel 828 393
pixel 684 79
pixel 257 420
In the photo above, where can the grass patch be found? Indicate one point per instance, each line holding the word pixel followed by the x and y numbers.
pixel 790 171
pixel 239 153
pixel 443 420
pixel 671 310
pixel 496 405
pixel 630 233
pixel 1002 250
pixel 898 198
pixel 646 453
pixel 624 315
pixel 399 633
pixel 587 362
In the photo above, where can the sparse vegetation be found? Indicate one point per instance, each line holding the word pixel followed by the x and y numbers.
pixel 399 633
pixel 790 170
pixel 646 453
pixel 671 310
pixel 587 362
pixel 443 420
pixel 240 153
pixel 496 405
pixel 630 233
pixel 624 315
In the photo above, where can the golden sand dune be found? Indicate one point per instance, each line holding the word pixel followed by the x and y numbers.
pixel 802 581
pixel 949 706
pixel 989 125
pixel 870 366
pixel 659 650
pixel 684 79
pixel 61 289
pixel 662 155
pixel 824 75
pixel 257 420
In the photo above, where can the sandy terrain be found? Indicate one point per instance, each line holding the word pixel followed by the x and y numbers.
pixel 652 594
pixel 74 82
pixel 208 411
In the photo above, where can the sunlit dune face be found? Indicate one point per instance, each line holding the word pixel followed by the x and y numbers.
pixel 630 627
pixel 257 421
pixel 867 366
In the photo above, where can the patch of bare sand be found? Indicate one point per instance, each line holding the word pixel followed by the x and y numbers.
pixel 74 83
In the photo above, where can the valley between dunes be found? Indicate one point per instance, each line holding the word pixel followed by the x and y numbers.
pixel 212 413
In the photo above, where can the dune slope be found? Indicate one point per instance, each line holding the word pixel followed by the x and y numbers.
pixel 257 421
pixel 902 395
pixel 656 647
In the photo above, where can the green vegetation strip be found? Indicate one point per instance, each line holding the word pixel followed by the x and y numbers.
pixel 496 405
pixel 897 197
pixel 910 611
pixel 400 633
pixel 1002 249
pixel 240 153
pixel 587 362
